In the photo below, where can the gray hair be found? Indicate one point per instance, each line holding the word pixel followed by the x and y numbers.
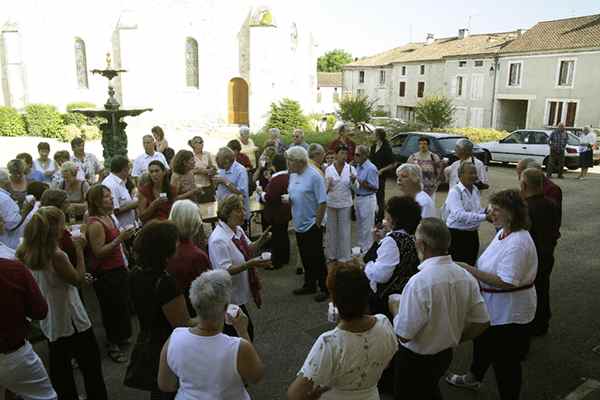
pixel 434 233
pixel 529 163
pixel 296 153
pixel 586 129
pixel 464 144
pixel 315 149
pixel 244 130
pixel 362 149
pixel 414 172
pixel 70 167
pixel 186 216
pixel 225 153
pixel 275 132
pixel 4 178
pixel 210 294
pixel 462 168
pixel 534 178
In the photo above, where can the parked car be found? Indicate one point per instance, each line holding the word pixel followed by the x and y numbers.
pixel 533 143
pixel 442 144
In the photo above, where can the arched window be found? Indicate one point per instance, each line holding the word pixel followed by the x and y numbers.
pixel 81 64
pixel 191 62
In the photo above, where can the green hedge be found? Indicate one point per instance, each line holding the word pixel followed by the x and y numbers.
pixel 477 135
pixel 43 120
pixel 324 138
pixel 11 122
pixel 79 104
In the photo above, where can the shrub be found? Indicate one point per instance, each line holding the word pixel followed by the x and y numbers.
pixel 76 119
pixel 43 120
pixel 435 112
pixel 378 113
pixel 287 115
pixel 79 104
pixel 69 133
pixel 11 122
pixel 356 109
pixel 90 132
pixel 478 135
pixel 323 138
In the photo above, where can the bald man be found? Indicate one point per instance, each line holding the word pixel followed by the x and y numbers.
pixel 552 191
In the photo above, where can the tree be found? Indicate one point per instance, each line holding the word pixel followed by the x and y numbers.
pixel 356 109
pixel 333 60
pixel 435 112
pixel 287 115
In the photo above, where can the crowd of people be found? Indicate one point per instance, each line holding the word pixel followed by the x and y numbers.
pixel 410 288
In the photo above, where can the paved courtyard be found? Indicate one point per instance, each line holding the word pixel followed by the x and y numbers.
pixel 558 364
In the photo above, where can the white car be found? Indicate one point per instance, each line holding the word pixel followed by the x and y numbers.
pixel 533 143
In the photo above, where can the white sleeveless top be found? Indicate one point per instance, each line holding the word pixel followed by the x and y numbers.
pixel 66 313
pixel 206 366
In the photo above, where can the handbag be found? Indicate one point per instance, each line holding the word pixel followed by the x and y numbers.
pixel 142 370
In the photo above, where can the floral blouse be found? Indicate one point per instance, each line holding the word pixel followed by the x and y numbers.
pixel 432 169
pixel 351 363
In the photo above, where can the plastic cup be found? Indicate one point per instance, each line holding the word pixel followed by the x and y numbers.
pixel 163 195
pixel 285 198
pixel 355 251
pixel 266 256
pixel 30 198
pixel 231 313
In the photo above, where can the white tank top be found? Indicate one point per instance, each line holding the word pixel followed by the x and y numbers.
pixel 206 366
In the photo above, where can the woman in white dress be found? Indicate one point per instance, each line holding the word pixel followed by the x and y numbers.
pixel 339 177
pixel 347 362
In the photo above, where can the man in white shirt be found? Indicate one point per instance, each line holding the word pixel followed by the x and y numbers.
pixel 464 214
pixel 231 178
pixel 464 152
pixel 140 164
pixel 89 167
pixel 12 220
pixel 124 205
pixel 409 180
pixel 440 307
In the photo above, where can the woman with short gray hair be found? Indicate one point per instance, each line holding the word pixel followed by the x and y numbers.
pixel 224 363
pixel 410 181
pixel 76 190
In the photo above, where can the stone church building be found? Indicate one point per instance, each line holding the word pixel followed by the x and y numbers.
pixel 200 64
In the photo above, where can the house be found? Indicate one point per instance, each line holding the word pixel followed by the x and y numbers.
pixel 329 91
pixel 199 64
pixel 550 74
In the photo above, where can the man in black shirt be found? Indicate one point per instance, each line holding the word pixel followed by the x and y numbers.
pixel 383 158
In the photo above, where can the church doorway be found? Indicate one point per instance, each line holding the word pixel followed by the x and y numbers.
pixel 238 102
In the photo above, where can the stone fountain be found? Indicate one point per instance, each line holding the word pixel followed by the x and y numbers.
pixel 114 138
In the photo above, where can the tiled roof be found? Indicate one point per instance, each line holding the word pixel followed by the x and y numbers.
pixel 481 44
pixel 571 33
pixel 329 79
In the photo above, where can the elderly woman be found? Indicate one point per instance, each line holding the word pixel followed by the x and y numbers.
pixel 159 305
pixel 275 141
pixel 45 165
pixel 76 190
pixel 432 167
pixel 463 214
pixel 506 272
pixel 202 362
pixel 61 157
pixel 155 197
pixel 108 264
pixel 382 157
pixel 339 178
pixel 230 249
pixel 189 260
pixel 204 169
pixel 589 141
pixel 396 259
pixel 248 146
pixel 182 179
pixel 67 326
pixel 337 366
pixel 410 184
pixel 18 180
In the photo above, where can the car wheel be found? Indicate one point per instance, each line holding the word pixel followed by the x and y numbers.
pixel 545 163
pixel 487 157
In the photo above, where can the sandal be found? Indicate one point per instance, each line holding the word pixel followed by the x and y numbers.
pixel 463 381
pixel 115 354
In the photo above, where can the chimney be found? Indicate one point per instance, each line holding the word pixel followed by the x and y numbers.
pixel 463 33
pixel 430 38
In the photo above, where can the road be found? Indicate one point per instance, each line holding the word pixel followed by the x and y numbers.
pixel 559 363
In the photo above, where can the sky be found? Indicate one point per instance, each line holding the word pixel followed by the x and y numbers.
pixel 367 27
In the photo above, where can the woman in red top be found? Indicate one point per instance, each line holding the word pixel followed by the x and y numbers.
pixel 157 196
pixel 107 264
pixel 189 260
pixel 345 140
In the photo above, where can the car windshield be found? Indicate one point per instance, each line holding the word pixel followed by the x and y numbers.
pixel 573 140
pixel 448 144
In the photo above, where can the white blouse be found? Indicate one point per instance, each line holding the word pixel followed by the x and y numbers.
pixel 463 209
pixel 224 254
pixel 66 313
pixel 339 194
pixel 514 260
pixel 351 363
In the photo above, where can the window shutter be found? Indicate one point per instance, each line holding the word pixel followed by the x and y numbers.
pixel 476 117
pixel 476 87
pixel 551 113
pixel 571 111
pixel 453 87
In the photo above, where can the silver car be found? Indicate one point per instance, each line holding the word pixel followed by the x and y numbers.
pixel 533 143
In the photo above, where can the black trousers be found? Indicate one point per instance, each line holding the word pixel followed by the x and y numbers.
pixel 112 291
pixel 280 245
pixel 504 347
pixel 380 200
pixel 83 347
pixel 230 330
pixel 310 245
pixel 464 246
pixel 556 163
pixel 417 376
pixel 542 288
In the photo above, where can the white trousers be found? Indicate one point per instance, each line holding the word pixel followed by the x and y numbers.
pixel 339 238
pixel 365 208
pixel 23 373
